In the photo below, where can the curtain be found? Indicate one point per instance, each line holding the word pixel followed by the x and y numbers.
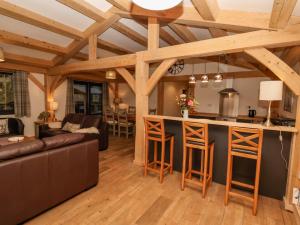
pixel 70 105
pixel 21 94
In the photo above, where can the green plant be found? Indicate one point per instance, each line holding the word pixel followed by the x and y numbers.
pixel 44 115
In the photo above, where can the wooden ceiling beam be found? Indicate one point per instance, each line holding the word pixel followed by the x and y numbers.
pixel 281 13
pixel 38 20
pixel 153 33
pixel 292 56
pixel 96 65
pixel 183 32
pixel 23 41
pixel 278 67
pixel 26 60
pixel 15 67
pixel 94 13
pixel 208 9
pixel 121 4
pixel 128 77
pixel 108 46
pixel 229 44
pixel 94 29
pixel 236 21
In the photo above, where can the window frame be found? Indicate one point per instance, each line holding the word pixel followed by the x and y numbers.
pixel 11 112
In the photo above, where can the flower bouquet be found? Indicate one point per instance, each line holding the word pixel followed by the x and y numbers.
pixel 185 103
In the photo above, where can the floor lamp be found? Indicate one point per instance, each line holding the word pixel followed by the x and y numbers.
pixel 270 91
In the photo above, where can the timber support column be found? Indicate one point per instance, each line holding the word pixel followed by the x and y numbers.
pixel 141 77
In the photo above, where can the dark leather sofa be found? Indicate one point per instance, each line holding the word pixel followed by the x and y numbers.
pixel 15 127
pixel 85 121
pixel 37 175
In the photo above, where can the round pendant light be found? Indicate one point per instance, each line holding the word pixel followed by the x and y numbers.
pixel 192 79
pixel 111 75
pixel 204 77
pixel 2 59
pixel 157 4
pixel 218 78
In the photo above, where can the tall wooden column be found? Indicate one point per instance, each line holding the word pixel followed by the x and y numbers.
pixel 142 107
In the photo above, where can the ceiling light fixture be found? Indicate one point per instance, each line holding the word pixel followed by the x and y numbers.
pixel 110 75
pixel 2 59
pixel 218 76
pixel 157 4
pixel 192 79
pixel 204 77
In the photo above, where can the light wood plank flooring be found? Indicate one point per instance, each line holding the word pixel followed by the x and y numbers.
pixel 124 196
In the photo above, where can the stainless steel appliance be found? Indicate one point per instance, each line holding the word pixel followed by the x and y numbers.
pixel 229 100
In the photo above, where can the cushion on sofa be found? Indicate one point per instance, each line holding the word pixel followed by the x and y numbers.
pixel 62 140
pixel 90 130
pixel 91 121
pixel 71 127
pixel 20 149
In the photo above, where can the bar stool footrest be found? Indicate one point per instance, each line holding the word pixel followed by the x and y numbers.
pixel 234 194
pixel 241 184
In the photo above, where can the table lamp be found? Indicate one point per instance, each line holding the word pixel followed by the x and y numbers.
pixel 54 107
pixel 270 91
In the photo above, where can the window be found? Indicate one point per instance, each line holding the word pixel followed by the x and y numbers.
pixel 88 97
pixel 6 94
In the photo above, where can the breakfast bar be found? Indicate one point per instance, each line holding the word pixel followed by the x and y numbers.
pixel 275 155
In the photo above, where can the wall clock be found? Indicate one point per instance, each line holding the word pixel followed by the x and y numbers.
pixel 177 67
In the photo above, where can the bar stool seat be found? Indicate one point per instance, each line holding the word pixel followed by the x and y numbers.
pixel 244 143
pixel 195 138
pixel 155 131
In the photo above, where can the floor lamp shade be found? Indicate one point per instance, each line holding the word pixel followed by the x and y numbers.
pixel 271 90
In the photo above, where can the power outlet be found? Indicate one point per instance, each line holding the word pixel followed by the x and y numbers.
pixel 296 196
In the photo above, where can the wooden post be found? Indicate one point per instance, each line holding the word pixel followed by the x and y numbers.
pixel 93 47
pixel 153 33
pixel 142 106
pixel 160 98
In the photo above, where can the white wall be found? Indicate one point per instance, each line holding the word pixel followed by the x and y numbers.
pixel 60 95
pixel 248 88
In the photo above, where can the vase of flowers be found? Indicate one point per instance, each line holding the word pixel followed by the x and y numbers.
pixel 185 103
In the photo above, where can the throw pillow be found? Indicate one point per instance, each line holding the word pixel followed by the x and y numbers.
pixel 71 127
pixel 90 130
pixel 4 126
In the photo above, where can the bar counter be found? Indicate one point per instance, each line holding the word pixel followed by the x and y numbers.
pixel 273 176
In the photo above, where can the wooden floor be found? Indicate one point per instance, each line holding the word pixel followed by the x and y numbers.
pixel 124 196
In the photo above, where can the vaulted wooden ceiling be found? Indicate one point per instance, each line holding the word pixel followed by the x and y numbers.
pixel 38 35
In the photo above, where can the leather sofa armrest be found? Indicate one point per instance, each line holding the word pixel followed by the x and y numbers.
pixel 15 126
pixel 103 136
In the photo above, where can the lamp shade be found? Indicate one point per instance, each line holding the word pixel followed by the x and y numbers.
pixel 111 75
pixel 271 90
pixel 2 59
pixel 53 106
pixel 156 4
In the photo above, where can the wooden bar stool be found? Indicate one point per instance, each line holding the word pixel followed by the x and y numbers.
pixel 195 137
pixel 244 143
pixel 155 131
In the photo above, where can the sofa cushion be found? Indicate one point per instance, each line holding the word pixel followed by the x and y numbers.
pixel 71 127
pixel 91 121
pixel 52 132
pixel 20 149
pixel 73 118
pixel 62 140
pixel 90 130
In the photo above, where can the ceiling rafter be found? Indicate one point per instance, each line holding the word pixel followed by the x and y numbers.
pixel 281 13
pixel 208 9
pixel 183 32
pixel 96 28
pixel 26 60
pixel 27 68
pixel 38 20
pixel 236 21
pixel 112 47
pixel 92 12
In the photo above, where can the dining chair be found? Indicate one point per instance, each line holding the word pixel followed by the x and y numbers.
pixel 111 120
pixel 152 112
pixel 131 109
pixel 124 126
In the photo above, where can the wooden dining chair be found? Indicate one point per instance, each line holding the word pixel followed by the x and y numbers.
pixel 124 126
pixel 244 143
pixel 155 131
pixel 109 116
pixel 152 112
pixel 131 109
